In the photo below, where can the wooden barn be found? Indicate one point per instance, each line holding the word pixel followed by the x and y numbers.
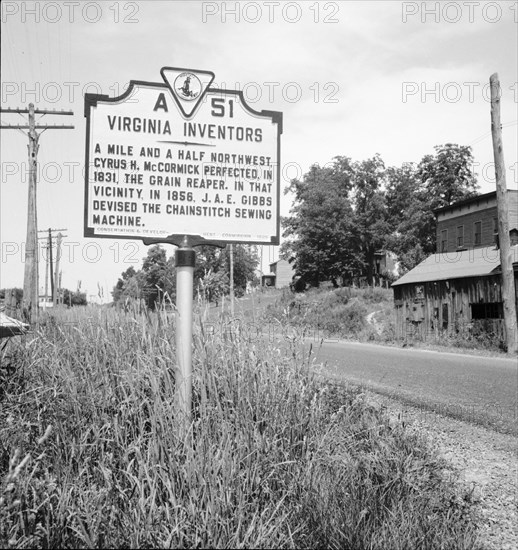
pixel 458 289
pixel 452 292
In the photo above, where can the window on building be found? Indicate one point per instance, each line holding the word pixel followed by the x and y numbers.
pixel 477 233
pixel 495 231
pixel 460 236
pixel 488 310
pixel 444 240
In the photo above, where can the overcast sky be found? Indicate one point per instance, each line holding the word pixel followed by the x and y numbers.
pixel 352 78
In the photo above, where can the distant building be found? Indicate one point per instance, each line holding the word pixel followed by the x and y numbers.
pixel 45 302
pixel 280 276
pixel 268 280
pixel 458 288
pixel 473 222
pixel 385 266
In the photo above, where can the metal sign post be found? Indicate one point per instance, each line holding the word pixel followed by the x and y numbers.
pixel 183 163
pixel 185 258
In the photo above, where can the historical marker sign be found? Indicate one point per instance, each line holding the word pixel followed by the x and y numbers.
pixel 179 158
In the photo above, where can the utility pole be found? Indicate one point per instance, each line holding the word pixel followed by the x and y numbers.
pixel 60 295
pixel 49 259
pixel 506 260
pixel 30 280
pixel 47 276
pixel 57 276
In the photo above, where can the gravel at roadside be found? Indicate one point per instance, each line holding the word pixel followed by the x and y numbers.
pixel 486 461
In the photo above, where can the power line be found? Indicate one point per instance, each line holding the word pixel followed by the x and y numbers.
pixel 487 134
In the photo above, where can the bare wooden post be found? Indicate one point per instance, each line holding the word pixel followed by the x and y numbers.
pixel 506 260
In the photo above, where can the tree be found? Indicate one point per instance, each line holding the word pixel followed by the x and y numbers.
pixel 157 276
pixel 246 261
pixel 413 193
pixel 371 223
pixel 156 280
pixel 212 271
pixel 402 187
pixel 447 176
pixel 213 285
pixel 320 230
pixel 344 213
pixel 70 298
pixel 151 283
pixel 411 237
pixel 122 283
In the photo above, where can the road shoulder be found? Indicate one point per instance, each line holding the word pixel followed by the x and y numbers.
pixel 486 462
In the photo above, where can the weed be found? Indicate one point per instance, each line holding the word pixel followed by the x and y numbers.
pixel 93 454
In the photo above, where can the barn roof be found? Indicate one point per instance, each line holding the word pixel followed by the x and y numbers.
pixel 475 262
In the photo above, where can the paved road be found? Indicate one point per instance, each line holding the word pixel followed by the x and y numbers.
pixel 483 390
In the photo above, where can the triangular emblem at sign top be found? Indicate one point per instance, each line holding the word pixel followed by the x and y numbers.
pixel 188 86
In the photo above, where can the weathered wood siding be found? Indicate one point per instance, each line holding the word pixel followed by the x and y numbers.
pixel 425 311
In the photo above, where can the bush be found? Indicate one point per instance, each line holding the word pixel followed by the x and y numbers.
pixel 342 295
pixel 376 294
pixel 346 320
pixel 388 334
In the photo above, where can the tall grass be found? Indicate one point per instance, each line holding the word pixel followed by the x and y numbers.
pixel 92 451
